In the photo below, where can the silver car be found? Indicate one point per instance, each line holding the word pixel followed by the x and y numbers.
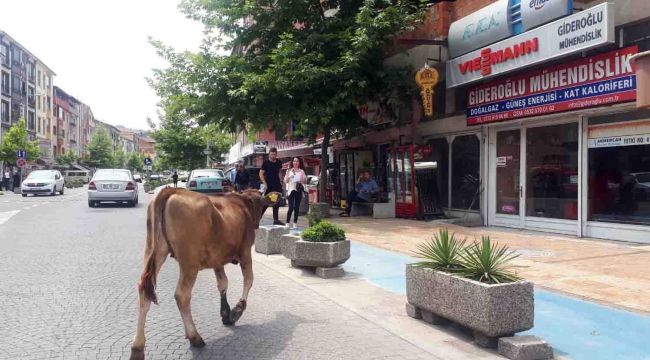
pixel 116 185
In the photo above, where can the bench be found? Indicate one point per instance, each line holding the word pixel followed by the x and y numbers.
pixel 379 207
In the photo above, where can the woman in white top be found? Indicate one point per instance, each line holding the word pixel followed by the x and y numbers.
pixel 294 181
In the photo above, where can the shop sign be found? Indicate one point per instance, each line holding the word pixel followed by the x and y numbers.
pixel 480 28
pixel 614 141
pixel 598 80
pixel 427 78
pixel 376 113
pixel 260 147
pixel 502 161
pixel 502 19
pixel 578 32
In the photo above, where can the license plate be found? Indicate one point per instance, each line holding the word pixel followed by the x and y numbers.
pixel 111 187
pixel 210 185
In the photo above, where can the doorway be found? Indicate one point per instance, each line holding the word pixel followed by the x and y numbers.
pixel 534 180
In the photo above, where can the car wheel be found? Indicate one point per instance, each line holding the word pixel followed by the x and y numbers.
pixel 24 195
pixel 62 189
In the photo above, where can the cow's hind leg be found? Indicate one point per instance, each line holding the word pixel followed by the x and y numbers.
pixel 137 348
pixel 222 285
pixel 183 297
pixel 247 270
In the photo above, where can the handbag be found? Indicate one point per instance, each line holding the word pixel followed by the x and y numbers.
pixel 300 188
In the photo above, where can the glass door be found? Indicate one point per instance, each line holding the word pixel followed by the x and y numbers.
pixel 508 194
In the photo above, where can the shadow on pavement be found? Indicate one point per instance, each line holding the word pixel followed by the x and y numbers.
pixel 245 341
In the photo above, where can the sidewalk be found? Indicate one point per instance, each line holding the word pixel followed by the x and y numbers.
pixel 611 273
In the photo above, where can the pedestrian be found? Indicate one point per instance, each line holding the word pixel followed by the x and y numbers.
pixel 294 180
pixel 16 180
pixel 271 181
pixel 175 179
pixel 5 180
pixel 242 179
pixel 362 192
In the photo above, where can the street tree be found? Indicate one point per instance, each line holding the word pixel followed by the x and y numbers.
pixel 135 162
pixel 119 158
pixel 100 150
pixel 67 159
pixel 307 62
pixel 16 139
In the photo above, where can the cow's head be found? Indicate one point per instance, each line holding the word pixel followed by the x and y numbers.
pixel 260 202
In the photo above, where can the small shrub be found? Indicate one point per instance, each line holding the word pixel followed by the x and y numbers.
pixel 487 262
pixel 324 231
pixel 443 252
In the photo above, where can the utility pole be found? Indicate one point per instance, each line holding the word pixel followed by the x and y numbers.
pixel 207 153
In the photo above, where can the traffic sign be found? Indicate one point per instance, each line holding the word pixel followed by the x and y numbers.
pixel 147 167
pixel 21 154
pixel 21 163
pixel 147 161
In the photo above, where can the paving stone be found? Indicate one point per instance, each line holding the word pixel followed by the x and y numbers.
pixel 328 273
pixel 526 347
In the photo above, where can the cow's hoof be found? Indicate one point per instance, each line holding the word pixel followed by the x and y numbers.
pixel 227 320
pixel 197 342
pixel 136 354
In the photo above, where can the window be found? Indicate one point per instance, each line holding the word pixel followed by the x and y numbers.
pixel 31 120
pixel 31 99
pixel 4 114
pixel 6 87
pixel 15 81
pixel 38 124
pixel 4 54
pixel 465 172
pixel 38 77
pixel 552 171
pixel 440 155
pixel 54 131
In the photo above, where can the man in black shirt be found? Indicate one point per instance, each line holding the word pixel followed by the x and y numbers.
pixel 270 176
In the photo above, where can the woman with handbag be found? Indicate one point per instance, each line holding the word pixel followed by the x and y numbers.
pixel 295 180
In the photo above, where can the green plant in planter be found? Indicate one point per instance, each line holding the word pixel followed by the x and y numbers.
pixel 487 262
pixel 443 252
pixel 324 231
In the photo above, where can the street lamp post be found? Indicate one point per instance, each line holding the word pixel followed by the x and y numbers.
pixel 207 153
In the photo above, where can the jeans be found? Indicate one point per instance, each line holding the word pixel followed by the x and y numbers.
pixel 294 200
pixel 353 196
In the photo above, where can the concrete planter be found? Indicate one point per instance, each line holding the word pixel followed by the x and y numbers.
pixel 323 209
pixel 324 256
pixel 267 239
pixel 491 311
pixel 287 247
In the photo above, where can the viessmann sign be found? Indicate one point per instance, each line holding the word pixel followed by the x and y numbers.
pixel 598 80
pixel 579 32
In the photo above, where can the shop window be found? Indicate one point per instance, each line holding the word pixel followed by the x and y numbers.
pixel 619 184
pixel 552 172
pixel 440 155
pixel 465 172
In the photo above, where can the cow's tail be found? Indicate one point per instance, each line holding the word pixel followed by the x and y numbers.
pixel 156 227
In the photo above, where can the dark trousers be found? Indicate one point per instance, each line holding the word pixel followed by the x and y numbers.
pixel 353 196
pixel 276 208
pixel 294 200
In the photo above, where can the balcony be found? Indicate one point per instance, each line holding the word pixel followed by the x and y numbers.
pixel 31 102
pixel 6 90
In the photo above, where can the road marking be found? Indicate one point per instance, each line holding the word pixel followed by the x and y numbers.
pixel 6 215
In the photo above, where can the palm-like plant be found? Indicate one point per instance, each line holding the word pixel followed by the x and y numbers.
pixel 443 252
pixel 487 262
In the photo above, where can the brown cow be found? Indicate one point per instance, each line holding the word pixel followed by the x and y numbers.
pixel 200 232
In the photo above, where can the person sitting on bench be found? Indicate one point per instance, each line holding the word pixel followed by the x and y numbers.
pixel 363 191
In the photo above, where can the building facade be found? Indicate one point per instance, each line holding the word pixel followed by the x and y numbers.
pixel 44 112
pixel 86 128
pixel 534 121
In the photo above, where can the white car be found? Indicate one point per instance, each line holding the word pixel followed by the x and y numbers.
pixel 47 182
pixel 114 185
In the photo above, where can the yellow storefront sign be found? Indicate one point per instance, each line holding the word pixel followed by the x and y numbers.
pixel 427 78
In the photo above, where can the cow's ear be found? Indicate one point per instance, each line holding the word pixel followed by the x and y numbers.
pixel 272 198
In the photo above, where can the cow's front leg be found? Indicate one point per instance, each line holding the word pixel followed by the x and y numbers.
pixel 247 271
pixel 183 297
pixel 222 285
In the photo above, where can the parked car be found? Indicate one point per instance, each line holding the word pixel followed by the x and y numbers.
pixel 43 182
pixel 183 176
pixel 208 181
pixel 115 185
pixel 137 177
pixel 83 175
pixel 253 176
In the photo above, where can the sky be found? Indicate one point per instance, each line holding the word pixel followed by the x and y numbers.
pixel 99 49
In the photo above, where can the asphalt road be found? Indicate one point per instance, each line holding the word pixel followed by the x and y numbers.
pixel 68 277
